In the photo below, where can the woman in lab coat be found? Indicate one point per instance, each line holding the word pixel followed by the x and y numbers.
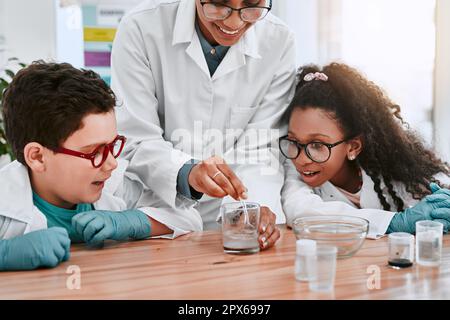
pixel 198 80
pixel 351 155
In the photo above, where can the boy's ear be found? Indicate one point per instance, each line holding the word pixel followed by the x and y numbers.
pixel 34 156
pixel 355 148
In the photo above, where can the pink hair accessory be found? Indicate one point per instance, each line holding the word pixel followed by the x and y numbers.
pixel 318 75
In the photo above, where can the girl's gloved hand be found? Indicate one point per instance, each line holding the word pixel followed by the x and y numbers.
pixel 442 196
pixel 97 226
pixel 439 194
pixel 43 248
pixel 427 209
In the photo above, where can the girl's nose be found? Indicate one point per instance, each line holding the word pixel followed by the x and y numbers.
pixel 302 159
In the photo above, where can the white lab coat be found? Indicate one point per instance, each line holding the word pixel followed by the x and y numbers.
pixel 161 77
pixel 301 200
pixel 18 214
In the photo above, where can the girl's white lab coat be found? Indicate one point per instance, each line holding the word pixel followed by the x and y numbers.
pixel 18 214
pixel 171 105
pixel 300 200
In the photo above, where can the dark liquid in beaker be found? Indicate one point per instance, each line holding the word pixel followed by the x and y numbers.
pixel 400 263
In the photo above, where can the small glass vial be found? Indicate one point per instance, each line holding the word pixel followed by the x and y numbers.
pixel 305 248
pixel 401 250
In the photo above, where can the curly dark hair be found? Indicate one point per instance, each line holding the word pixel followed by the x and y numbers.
pixel 391 150
pixel 46 103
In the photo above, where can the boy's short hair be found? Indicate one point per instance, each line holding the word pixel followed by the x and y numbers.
pixel 46 103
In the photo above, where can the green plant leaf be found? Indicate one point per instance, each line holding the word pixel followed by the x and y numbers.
pixel 9 73
pixel 3 149
pixel 3 145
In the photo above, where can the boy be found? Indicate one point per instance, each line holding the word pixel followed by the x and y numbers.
pixel 61 125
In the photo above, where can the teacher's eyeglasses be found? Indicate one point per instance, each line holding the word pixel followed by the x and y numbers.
pixel 220 11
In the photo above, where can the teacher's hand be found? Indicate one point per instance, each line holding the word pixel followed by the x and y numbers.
pixel 216 179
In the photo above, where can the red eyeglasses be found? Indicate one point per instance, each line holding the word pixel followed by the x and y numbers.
pixel 100 154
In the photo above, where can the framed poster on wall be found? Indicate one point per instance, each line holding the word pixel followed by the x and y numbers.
pixel 100 22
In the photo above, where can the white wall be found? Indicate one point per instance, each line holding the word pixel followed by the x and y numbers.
pixel 97 2
pixel 29 29
pixel 69 35
pixel 42 29
pixel 442 80
pixel 302 17
pixel 2 32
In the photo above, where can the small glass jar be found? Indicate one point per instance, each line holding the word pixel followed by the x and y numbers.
pixel 401 250
pixel 429 243
pixel 305 248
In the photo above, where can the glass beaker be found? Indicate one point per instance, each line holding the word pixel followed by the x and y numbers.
pixel 240 229
pixel 401 250
pixel 428 242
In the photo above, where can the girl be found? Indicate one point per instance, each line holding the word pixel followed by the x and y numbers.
pixel 356 156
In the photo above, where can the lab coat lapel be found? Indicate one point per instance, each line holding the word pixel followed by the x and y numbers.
pixel 369 197
pixel 184 32
pixel 329 192
pixel 236 56
pixel 16 193
pixel 194 50
pixel 234 59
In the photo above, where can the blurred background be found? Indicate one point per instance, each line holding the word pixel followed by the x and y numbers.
pixel 402 45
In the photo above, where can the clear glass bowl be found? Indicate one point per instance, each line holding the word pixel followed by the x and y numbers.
pixel 347 233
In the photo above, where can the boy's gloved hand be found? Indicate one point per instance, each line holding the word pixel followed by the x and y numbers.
pixel 96 226
pixel 43 248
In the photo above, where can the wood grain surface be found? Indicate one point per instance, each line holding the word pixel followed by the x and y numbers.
pixel 195 267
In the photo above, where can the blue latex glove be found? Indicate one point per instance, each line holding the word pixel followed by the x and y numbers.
pixel 439 194
pixel 435 188
pixel 94 227
pixel 442 215
pixel 406 221
pixel 43 248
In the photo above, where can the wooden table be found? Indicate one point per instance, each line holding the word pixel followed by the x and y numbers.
pixel 195 267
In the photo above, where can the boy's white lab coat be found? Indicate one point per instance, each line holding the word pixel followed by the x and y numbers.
pixel 300 200
pixel 18 214
pixel 171 105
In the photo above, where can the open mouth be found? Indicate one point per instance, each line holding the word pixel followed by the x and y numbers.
pixel 100 183
pixel 309 174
